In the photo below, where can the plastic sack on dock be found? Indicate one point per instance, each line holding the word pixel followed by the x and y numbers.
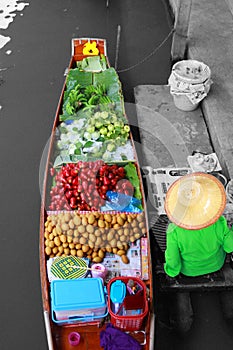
pixel 189 83
pixel 122 202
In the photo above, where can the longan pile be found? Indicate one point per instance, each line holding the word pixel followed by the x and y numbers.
pixel 91 235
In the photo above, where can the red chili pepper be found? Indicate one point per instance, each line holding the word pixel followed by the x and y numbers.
pixel 75 181
pixel 74 172
pixel 106 181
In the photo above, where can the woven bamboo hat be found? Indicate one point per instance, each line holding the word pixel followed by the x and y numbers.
pixel 195 201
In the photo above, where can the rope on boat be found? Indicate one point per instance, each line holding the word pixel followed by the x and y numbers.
pixel 150 54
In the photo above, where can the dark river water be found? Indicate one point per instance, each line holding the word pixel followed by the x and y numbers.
pixel 31 78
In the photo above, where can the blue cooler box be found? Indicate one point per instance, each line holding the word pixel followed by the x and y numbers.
pixel 78 300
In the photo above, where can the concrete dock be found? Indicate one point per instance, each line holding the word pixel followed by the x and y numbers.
pixel 168 135
pixel 210 40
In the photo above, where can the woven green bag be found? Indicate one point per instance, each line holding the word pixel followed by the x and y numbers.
pixel 62 267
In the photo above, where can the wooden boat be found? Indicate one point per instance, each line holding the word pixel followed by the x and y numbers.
pixel 62 220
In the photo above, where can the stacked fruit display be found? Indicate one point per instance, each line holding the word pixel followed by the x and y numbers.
pixel 94 157
pixel 91 235
pixel 83 186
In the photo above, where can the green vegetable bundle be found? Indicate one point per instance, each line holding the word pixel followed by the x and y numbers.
pixel 87 89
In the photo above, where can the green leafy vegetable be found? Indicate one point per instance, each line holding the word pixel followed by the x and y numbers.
pixel 88 144
pixel 132 176
pixel 92 64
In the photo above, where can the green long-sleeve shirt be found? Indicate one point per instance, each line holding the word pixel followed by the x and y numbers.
pixel 197 252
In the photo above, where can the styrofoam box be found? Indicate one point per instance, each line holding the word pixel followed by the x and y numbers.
pixel 77 299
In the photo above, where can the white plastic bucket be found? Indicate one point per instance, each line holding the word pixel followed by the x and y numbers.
pixel 183 103
pixel 191 71
pixel 189 83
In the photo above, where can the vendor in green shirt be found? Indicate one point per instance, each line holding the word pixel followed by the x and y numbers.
pixel 197 252
pixel 198 236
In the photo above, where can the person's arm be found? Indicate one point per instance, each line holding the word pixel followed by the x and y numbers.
pixel 227 234
pixel 172 264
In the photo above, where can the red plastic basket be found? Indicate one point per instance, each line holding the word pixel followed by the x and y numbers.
pixel 125 322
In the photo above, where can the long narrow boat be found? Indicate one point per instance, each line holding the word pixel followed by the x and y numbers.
pixel 94 235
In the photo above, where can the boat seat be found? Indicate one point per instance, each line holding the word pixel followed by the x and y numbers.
pixel 221 280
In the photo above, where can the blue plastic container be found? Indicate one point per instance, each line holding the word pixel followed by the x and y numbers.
pixel 79 300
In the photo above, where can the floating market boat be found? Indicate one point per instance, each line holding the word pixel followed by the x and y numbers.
pixel 95 265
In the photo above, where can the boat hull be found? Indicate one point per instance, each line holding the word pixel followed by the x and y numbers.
pixel 57 334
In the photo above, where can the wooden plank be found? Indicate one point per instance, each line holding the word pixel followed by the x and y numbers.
pixel 179 42
pixel 220 280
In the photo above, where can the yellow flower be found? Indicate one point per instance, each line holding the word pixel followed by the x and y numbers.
pixel 90 49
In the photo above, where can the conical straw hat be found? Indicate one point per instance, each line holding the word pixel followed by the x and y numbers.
pixel 195 201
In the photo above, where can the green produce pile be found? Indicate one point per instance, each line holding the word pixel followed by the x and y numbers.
pixel 85 98
pixel 94 137
pixel 87 89
pixel 93 123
